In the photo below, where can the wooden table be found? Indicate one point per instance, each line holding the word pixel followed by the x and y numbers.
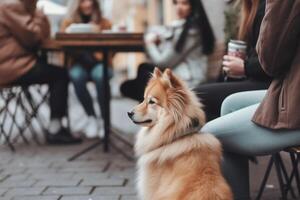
pixel 106 43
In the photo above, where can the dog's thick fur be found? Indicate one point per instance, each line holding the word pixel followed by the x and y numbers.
pixel 173 165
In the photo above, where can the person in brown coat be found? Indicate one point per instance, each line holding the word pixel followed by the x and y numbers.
pixel 264 122
pixel 22 31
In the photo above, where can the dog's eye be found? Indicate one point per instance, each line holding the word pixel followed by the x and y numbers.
pixel 151 102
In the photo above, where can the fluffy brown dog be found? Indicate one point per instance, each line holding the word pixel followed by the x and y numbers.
pixel 175 162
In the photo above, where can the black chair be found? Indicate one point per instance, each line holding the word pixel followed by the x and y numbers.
pixel 295 159
pixel 284 180
pixel 25 102
pixel 34 97
pixel 10 97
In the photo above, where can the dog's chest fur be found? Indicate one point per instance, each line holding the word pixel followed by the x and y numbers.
pixel 150 179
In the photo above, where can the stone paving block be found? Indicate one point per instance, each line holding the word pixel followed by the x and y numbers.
pixel 41 171
pixel 68 191
pixel 91 197
pixel 52 197
pixel 131 182
pixel 2 191
pixel 3 177
pixel 5 160
pixel 122 174
pixel 123 165
pixel 128 197
pixel 58 182
pixel 83 175
pixel 14 170
pixel 47 176
pixel 18 177
pixel 82 169
pixel 13 183
pixel 79 164
pixel 103 182
pixel 32 163
pixel 114 190
pixel 24 191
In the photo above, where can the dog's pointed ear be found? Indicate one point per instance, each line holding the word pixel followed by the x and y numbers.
pixel 168 75
pixel 157 73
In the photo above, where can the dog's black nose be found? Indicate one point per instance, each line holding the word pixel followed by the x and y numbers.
pixel 130 114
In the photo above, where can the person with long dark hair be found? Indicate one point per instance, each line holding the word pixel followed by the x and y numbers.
pixel 183 46
pixel 254 78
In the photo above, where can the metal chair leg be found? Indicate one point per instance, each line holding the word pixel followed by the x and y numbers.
pixel 264 181
pixel 287 185
pixel 4 134
pixel 279 175
pixel 28 123
pixel 35 107
pixel 295 173
pixel 14 121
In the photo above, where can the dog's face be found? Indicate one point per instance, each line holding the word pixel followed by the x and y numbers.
pixel 155 100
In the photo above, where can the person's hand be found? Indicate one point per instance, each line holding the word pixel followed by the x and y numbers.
pixel 233 66
pixel 151 38
pixel 96 27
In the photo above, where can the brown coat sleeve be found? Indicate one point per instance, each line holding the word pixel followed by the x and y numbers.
pixel 29 29
pixel 279 36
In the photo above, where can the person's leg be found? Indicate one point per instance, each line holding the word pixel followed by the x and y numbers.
pixel 96 75
pixel 241 100
pixel 212 95
pixel 242 138
pixel 80 77
pixel 57 78
pixel 135 88
pixel 235 165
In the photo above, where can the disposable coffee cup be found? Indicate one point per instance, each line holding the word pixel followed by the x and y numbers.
pixel 237 48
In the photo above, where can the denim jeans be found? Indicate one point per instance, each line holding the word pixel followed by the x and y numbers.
pixel 80 76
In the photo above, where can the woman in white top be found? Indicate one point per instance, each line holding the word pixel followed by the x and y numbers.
pixel 182 46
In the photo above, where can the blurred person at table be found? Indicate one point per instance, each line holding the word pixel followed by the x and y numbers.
pixel 87 66
pixel 183 46
pixel 22 31
pixel 249 71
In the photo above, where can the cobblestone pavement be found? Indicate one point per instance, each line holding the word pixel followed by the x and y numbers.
pixel 43 173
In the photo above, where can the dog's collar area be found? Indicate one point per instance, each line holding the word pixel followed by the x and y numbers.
pixel 195 123
pixel 192 129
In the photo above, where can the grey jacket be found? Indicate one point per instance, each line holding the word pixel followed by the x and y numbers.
pixel 190 64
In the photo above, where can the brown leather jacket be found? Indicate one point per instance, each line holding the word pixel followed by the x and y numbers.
pixel 279 53
pixel 20 35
